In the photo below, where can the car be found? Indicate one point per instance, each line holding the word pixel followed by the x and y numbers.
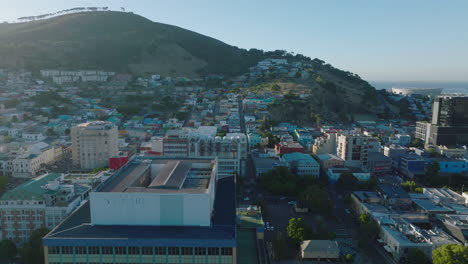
pixel 347 211
pixel 246 199
pixel 272 228
pixel 292 202
pixel 283 198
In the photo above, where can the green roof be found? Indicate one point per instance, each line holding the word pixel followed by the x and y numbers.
pixel 32 189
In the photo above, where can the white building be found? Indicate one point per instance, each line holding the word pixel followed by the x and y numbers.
pixel 325 144
pixel 41 202
pixel 158 192
pixel 353 149
pixel 93 144
pixel 31 163
pixel 399 236
pixel 33 136
pixel 402 140
pixel 231 150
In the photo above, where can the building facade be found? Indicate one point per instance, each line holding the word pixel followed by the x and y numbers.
pixel 93 144
pixel 41 202
pixel 302 164
pixel 193 221
pixel 353 149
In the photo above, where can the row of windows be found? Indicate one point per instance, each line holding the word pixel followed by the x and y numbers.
pixel 140 250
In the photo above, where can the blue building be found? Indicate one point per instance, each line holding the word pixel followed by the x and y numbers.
pixel 448 165
pixel 303 136
pixel 411 165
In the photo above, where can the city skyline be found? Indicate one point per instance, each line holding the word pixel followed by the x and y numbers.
pixel 397 41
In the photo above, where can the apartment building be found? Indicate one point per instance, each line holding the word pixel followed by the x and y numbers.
pixel 40 202
pixel 93 144
pixel 353 149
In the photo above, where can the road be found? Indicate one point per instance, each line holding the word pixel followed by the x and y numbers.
pixel 241 114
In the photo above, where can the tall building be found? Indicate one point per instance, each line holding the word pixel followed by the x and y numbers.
pixel 353 149
pixel 152 211
pixel 93 144
pixel 449 124
pixel 175 143
pixel 41 202
pixel 423 130
pixel 230 150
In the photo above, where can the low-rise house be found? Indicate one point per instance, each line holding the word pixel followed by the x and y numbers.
pixel 320 249
pixel 334 174
pixel 329 161
pixel 394 196
pixel 302 164
pixel 289 147
pixel 399 235
pixel 264 162
pixel 378 163
pixel 455 225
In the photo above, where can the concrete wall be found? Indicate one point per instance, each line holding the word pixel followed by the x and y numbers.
pixel 150 209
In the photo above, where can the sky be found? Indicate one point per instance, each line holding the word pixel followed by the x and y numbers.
pixel 398 40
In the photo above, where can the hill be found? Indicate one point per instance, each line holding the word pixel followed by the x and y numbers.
pixel 117 41
pixel 125 42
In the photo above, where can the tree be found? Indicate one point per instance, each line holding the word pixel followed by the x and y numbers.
pixel 279 181
pixel 417 143
pixel 369 227
pixel 297 229
pixel 316 199
pixel 409 186
pixel 32 252
pixel 67 131
pixel 50 132
pixel 416 256
pixel 349 258
pixel 450 254
pixel 7 139
pixel 432 173
pixel 347 180
pixel 3 181
pixel 279 246
pixel 8 250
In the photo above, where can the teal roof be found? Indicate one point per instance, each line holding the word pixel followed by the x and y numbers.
pixel 298 156
pixel 32 189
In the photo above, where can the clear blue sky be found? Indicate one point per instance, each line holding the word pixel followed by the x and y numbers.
pixel 399 40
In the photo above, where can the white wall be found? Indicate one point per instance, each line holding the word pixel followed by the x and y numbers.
pixel 109 208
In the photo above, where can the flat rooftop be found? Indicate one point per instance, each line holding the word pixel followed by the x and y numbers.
pixel 163 176
pixel 77 230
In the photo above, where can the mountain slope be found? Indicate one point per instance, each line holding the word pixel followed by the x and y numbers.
pixel 116 41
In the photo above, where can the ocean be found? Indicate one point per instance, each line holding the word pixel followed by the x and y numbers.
pixel 448 87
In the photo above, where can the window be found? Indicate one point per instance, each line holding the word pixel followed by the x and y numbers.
pixel 226 251
pixel 93 250
pixel 187 251
pixel 107 251
pixel 67 250
pixel 120 250
pixel 160 251
pixel 173 251
pixel 80 250
pixel 147 251
pixel 199 251
pixel 213 251
pixel 133 251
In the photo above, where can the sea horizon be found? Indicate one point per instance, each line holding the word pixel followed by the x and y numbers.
pixel 448 87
